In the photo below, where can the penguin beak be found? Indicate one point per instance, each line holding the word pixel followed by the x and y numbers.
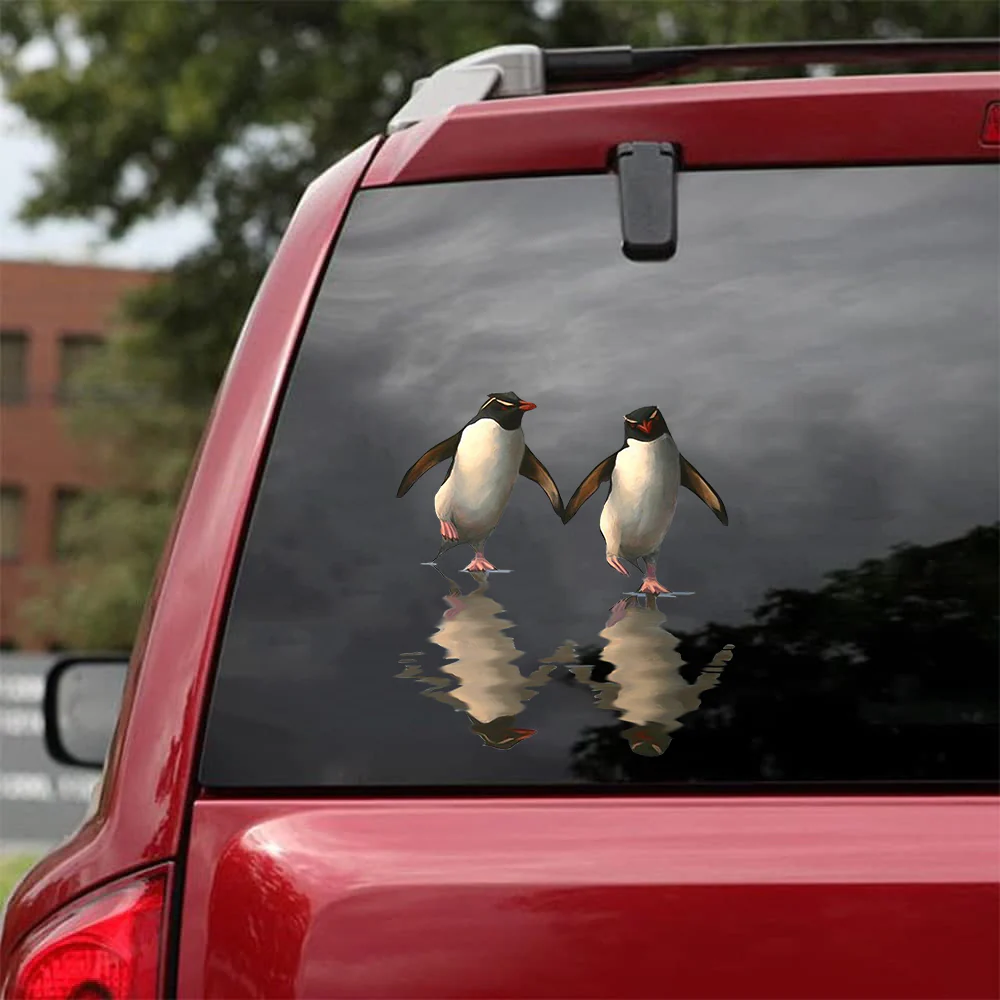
pixel 646 426
pixel 525 405
pixel 521 734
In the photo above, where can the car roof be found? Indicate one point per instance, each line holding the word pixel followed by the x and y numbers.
pixel 851 120
pixel 526 70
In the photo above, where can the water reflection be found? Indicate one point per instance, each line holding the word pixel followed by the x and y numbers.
pixel 481 677
pixel 638 675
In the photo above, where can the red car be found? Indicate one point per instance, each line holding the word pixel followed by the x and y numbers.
pixel 377 740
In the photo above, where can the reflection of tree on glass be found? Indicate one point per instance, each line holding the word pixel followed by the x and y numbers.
pixel 644 476
pixel 887 669
pixel 487 455
pixel 490 687
pixel 644 685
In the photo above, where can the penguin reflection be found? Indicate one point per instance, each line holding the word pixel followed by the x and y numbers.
pixel 645 687
pixel 490 687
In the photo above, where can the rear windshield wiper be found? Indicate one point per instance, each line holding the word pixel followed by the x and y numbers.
pixel 647 197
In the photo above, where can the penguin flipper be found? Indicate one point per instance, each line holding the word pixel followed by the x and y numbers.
pixel 698 485
pixel 586 489
pixel 427 461
pixel 532 469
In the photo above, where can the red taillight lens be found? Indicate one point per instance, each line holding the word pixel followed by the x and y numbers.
pixel 104 948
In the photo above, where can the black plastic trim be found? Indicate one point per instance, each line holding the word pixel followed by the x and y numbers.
pixel 664 790
pixel 623 64
pixel 647 199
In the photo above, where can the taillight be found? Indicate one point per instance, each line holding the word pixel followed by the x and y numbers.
pixel 105 947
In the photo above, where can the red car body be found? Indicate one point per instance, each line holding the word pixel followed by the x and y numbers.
pixel 696 896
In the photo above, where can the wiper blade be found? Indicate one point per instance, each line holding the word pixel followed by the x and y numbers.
pixel 647 197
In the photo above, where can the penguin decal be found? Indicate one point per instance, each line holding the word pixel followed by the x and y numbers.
pixel 644 476
pixel 480 676
pixel 487 455
pixel 644 686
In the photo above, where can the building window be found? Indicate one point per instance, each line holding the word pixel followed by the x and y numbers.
pixel 76 352
pixel 11 522
pixel 13 367
pixel 67 501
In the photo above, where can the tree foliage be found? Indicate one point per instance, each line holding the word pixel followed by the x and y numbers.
pixel 887 669
pixel 231 108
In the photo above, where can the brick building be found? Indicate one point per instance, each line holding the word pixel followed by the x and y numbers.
pixel 53 317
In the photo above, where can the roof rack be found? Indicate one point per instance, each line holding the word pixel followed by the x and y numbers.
pixel 528 70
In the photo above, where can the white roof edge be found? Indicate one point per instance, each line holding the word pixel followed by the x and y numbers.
pixel 501 71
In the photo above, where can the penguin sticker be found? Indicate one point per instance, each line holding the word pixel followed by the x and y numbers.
pixel 487 455
pixel 480 676
pixel 644 476
pixel 644 686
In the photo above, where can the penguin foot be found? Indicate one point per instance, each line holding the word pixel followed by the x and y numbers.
pixel 668 593
pixel 652 586
pixel 449 531
pixel 479 564
pixel 615 563
pixel 455 606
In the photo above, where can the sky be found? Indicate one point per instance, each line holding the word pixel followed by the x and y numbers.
pixel 24 152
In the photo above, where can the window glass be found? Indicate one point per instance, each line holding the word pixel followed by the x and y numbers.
pixel 823 350
pixel 76 352
pixel 11 522
pixel 13 367
pixel 65 526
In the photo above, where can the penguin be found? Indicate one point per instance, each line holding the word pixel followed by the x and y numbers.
pixel 487 455
pixel 644 476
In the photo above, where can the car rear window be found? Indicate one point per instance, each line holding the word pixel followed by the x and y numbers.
pixel 824 351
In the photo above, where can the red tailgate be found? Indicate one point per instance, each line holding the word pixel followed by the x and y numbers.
pixel 765 898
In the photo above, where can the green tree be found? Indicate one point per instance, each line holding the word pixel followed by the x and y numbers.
pixel 232 108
